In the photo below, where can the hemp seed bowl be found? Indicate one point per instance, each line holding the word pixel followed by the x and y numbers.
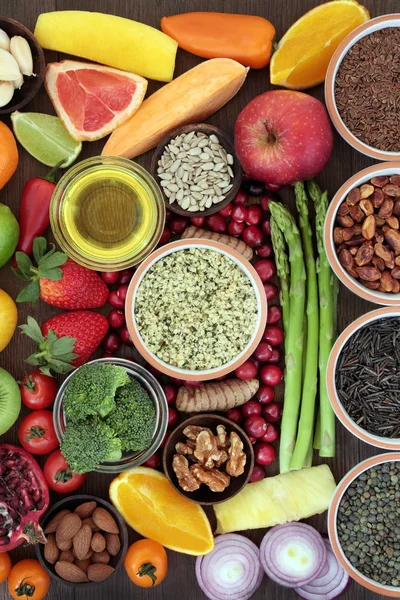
pixel 196 310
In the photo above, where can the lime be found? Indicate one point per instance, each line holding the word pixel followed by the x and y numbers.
pixel 9 234
pixel 45 138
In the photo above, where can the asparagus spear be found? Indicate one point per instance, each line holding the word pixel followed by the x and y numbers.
pixel 282 267
pixel 317 431
pixel 327 303
pixel 294 341
pixel 307 412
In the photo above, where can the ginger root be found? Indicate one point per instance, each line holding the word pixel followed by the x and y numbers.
pixel 228 240
pixel 218 396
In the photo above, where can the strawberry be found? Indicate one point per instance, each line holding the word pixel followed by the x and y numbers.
pixel 58 280
pixel 65 341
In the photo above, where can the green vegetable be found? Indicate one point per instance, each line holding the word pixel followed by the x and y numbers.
pixel 305 428
pixel 134 418
pixel 88 443
pixel 282 267
pixel 92 389
pixel 294 341
pixel 327 305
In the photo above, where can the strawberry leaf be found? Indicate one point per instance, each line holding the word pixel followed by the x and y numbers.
pixel 55 274
pixel 50 261
pixel 60 366
pixel 30 293
pixel 39 248
pixel 62 346
pixel 24 264
pixel 32 330
pixel 53 353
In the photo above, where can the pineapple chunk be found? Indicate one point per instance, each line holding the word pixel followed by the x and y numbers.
pixel 275 500
pixel 110 40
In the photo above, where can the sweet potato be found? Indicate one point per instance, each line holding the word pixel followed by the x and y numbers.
pixel 235 243
pixel 217 396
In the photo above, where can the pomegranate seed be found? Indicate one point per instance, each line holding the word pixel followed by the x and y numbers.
pixel 226 211
pixel 125 337
pixel 179 224
pixel 115 300
pixel 111 342
pixel 216 223
pixel 116 319
pixel 241 198
pixel 198 221
pixel 125 277
pixel 254 214
pixel 110 277
pixel 236 229
pixel 239 213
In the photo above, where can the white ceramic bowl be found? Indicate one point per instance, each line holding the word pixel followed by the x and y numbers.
pixel 392 20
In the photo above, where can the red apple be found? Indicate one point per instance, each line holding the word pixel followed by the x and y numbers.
pixel 283 136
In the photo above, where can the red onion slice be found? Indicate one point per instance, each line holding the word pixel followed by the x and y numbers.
pixel 293 554
pixel 232 570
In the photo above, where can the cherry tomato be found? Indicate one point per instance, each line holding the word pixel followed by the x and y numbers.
pixel 247 370
pixel 165 439
pixel 276 356
pixel 241 198
pixel 271 435
pixel 274 314
pixel 5 566
pixel 125 277
pixel 216 223
pixel 264 454
pixel 226 211
pixel 239 213
pixel 236 229
pixel 273 335
pixel 266 269
pixel 198 221
pixel 235 415
pixel 115 300
pixel 116 318
pixel 165 236
pixel 265 394
pixel 271 375
pixel 170 392
pixel 38 391
pixel 28 579
pixel 257 474
pixel 36 432
pixel 153 462
pixel 271 290
pixel 265 250
pixel 254 214
pixel 252 236
pixel 146 563
pixel 272 412
pixel 255 426
pixel 111 342
pixel 173 417
pixel 266 227
pixel 263 352
pixel 110 277
pixel 251 408
pixel 59 476
pixel 179 224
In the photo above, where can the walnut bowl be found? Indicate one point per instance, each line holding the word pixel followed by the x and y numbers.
pixel 204 495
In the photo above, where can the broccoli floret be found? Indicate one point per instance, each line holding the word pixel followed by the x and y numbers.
pixel 92 389
pixel 134 418
pixel 88 443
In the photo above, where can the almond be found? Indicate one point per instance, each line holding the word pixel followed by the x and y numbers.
pixel 83 564
pixel 67 556
pixel 88 555
pixel 68 527
pixel 101 557
pixel 70 572
pixel 113 543
pixel 52 525
pixel 98 543
pixel 85 510
pixel 104 520
pixel 99 572
pixel 91 524
pixel 51 551
pixel 64 545
pixel 81 541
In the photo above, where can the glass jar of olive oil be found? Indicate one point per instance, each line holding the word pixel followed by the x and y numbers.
pixel 107 213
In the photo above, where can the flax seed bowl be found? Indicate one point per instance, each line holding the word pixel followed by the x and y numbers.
pixel 362 88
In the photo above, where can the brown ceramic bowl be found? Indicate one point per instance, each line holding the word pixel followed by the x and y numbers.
pixel 31 84
pixel 226 142
pixel 71 503
pixel 204 495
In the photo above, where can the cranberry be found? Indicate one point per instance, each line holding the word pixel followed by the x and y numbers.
pixel 276 356
pixel 165 236
pixel 235 415
pixel 122 291
pixel 220 378
pixel 271 290
pixel 265 394
pixel 107 355
pixel 266 227
pixel 254 214
pixel 170 392
pixel 116 319
pixel 168 215
pixel 271 375
pixel 252 236
pixel 179 224
pixel 192 384
pixel 236 229
pixel 176 381
pixel 254 188
pixel 265 250
pixel 226 211
pixel 263 352
pixel 247 370
pixel 125 277
pixel 251 408
pixel 266 269
pixel 239 213
pixel 257 474
pixel 273 335
pixel 216 223
pixel 274 314
pixel 264 454
pixel 265 200
pixel 173 417
pixel 154 371
pixel 125 337
pixel 153 462
pixel 273 187
pixel 111 342
pixel 198 221
pixel 271 435
pixel 255 426
pixel 165 439
pixel 272 412
pixel 255 362
pixel 110 277
pixel 241 198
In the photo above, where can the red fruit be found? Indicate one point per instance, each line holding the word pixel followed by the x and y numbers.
pixel 274 314
pixel 252 236
pixel 122 292
pixel 247 370
pixel 38 391
pixel 272 412
pixel 264 453
pixel 116 318
pixel 254 214
pixel 153 371
pixel 125 337
pixel 235 415
pixel 271 435
pixel 115 300
pixel 226 211
pixel 176 381
pixel 273 187
pixel 265 200
pixel 153 462
pixel 251 408
pixel 198 221
pixel 265 394
pixel 170 392
pixel 188 383
pixel 276 356
pixel 257 474
pixel 263 352
pixel 109 355
pixel 125 277
pixel 252 440
pixel 265 250
pixel 271 375
pixel 165 236
pixel 273 335
pixel 216 223
pixel 266 269
pixel 255 362
pixel 168 215
pixel 255 426
pixel 179 224
pixel 239 213
pixel 165 439
pixel 36 432
pixel 111 342
pixel 59 476
pixel 23 499
pixel 271 290
pixel 266 227
pixel 241 198
pixel 173 417
pixel 110 277
pixel 236 229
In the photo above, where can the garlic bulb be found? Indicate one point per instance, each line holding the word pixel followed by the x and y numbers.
pixel 18 83
pixel 6 92
pixel 4 40
pixel 9 69
pixel 21 51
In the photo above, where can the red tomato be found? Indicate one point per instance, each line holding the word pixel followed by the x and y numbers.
pixel 257 474
pixel 254 214
pixel 271 375
pixel 265 394
pixel 235 415
pixel 252 407
pixel 270 290
pixel 263 352
pixel 235 228
pixel 266 269
pixel 274 314
pixel 264 454
pixel 271 435
pixel 37 390
pixel 272 412
pixel 273 335
pixel 247 370
pixel 59 476
pixel 241 198
pixel 36 432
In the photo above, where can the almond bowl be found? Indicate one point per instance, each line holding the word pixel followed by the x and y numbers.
pixel 71 503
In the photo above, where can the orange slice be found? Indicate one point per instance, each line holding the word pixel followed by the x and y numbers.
pixel 151 505
pixel 303 54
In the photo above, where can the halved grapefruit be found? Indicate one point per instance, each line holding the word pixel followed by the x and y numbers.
pixel 92 100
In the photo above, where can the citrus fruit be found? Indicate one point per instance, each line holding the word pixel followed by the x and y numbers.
pixel 45 138
pixel 8 319
pixel 92 100
pixel 304 52
pixel 10 401
pixel 149 503
pixel 8 154
pixel 9 234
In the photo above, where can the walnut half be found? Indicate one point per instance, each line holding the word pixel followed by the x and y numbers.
pixel 216 480
pixel 187 481
pixel 237 458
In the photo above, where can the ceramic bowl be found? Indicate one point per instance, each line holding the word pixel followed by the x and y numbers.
pixel 71 503
pixel 386 299
pixel 370 584
pixel 204 495
pixel 341 413
pixel 226 142
pixel 31 84
pixel 357 34
pixel 187 374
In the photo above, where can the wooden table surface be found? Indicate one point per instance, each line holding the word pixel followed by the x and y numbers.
pixel 345 161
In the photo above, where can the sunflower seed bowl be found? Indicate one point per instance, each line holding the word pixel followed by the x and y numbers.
pixel 197 170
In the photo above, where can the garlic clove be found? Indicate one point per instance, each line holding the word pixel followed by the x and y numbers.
pixel 18 83
pixel 21 51
pixel 9 69
pixel 4 40
pixel 6 92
